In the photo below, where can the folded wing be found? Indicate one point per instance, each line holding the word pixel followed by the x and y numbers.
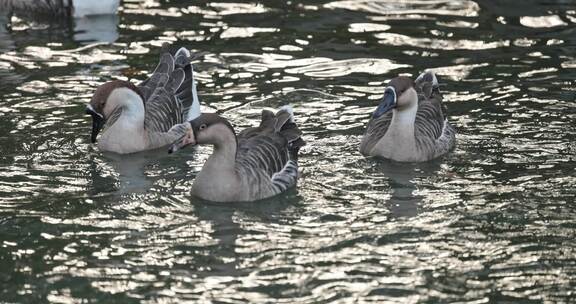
pixel 431 115
pixel 269 152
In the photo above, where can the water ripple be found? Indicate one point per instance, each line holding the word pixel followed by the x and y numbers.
pixel 493 221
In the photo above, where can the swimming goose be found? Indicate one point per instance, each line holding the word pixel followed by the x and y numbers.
pixel 60 8
pixel 147 116
pixel 410 123
pixel 258 163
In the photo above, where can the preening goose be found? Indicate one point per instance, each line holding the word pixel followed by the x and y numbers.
pixel 410 123
pixel 147 116
pixel 258 163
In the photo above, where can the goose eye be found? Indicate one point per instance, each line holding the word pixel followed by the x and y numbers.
pixel 202 127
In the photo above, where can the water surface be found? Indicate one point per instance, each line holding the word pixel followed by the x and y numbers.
pixel 492 222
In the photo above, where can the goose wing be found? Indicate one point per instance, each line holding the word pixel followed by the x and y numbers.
pixel 375 130
pixel 170 96
pixel 263 152
pixel 269 152
pixel 431 114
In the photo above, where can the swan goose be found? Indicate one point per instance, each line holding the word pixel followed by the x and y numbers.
pixel 61 8
pixel 257 163
pixel 409 124
pixel 147 116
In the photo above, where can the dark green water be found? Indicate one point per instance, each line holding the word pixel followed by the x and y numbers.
pixel 493 222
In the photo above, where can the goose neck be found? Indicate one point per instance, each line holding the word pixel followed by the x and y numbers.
pixel 405 116
pixel 223 157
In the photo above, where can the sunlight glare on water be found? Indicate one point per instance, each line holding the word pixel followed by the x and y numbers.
pixel 491 222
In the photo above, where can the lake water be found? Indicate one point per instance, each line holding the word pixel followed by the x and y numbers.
pixel 492 222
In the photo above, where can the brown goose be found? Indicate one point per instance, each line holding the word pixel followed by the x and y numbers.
pixel 410 123
pixel 147 116
pixel 257 163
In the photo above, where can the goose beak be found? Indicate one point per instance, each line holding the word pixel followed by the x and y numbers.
pixel 187 139
pixel 97 122
pixel 387 103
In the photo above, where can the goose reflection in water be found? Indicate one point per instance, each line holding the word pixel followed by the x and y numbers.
pixel 131 169
pixel 123 174
pixel 403 178
pixel 233 227
pixel 100 28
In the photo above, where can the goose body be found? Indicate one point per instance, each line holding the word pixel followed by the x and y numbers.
pixel 59 8
pixel 410 123
pixel 257 163
pixel 147 116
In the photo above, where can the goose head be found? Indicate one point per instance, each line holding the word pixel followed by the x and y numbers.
pixel 107 98
pixel 400 94
pixel 208 128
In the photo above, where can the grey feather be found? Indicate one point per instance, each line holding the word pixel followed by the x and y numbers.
pixel 266 158
pixel 167 93
pixel 375 131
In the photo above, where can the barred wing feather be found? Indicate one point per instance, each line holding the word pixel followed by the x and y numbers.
pixel 169 93
pixel 429 119
pixel 266 158
pixel 268 154
pixel 375 131
pixel 434 135
pixel 162 111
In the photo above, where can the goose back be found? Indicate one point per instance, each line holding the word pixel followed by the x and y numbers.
pixel 433 133
pixel 266 159
pixel 430 117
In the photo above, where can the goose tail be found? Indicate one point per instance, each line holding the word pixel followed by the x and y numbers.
pixel 286 126
pixel 429 77
pixel 428 84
